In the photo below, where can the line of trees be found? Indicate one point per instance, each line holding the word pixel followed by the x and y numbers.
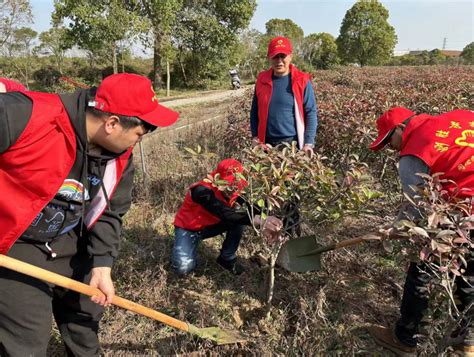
pixel 194 42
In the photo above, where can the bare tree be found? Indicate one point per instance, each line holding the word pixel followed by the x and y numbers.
pixel 13 15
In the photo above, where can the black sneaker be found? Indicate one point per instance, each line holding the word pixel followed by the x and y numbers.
pixel 231 265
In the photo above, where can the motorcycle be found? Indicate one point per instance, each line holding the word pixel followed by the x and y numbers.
pixel 235 80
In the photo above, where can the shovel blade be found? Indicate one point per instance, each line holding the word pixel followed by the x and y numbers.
pixel 218 335
pixel 292 255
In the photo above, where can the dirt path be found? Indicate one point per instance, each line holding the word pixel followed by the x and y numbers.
pixel 211 97
pixel 200 109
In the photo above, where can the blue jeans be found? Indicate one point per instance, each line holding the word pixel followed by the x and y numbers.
pixel 184 256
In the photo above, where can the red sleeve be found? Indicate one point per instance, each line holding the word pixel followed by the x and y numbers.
pixel 12 86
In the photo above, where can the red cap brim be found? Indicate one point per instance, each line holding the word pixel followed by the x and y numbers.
pixel 379 144
pixel 277 52
pixel 161 116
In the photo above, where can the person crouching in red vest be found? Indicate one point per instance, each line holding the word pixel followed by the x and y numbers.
pixel 429 145
pixel 66 176
pixel 208 212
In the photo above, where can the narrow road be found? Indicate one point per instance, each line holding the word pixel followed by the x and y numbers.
pixel 199 114
pixel 211 97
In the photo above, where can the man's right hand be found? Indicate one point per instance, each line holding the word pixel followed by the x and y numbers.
pixel 101 279
pixel 271 229
pixel 272 224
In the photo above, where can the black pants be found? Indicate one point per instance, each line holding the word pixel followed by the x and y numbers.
pixel 415 303
pixel 27 306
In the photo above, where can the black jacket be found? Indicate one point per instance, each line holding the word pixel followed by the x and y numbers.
pixel 62 217
pixel 228 215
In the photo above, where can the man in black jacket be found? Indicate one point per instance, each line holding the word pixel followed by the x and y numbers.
pixel 66 174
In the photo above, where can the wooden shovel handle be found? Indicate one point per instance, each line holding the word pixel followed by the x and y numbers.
pixel 354 241
pixel 59 280
pixel 344 243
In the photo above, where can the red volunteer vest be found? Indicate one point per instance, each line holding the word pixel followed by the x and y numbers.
pixel 34 168
pixel 194 217
pixel 446 144
pixel 263 89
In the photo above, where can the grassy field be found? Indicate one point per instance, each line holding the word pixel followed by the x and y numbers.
pixel 323 313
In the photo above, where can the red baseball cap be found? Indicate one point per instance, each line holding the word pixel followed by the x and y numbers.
pixel 387 122
pixel 279 45
pixel 132 95
pixel 227 170
pixel 12 86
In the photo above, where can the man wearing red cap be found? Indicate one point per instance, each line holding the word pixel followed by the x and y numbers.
pixel 428 144
pixel 208 211
pixel 284 106
pixel 66 175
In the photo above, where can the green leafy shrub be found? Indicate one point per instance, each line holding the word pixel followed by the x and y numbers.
pixel 90 75
pixel 47 77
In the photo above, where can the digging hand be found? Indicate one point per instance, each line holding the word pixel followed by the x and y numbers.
pixel 272 229
pixel 273 224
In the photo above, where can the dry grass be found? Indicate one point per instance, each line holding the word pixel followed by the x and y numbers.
pixel 314 313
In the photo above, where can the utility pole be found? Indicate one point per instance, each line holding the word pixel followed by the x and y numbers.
pixel 444 43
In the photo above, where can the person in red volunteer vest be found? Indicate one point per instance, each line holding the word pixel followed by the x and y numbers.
pixel 283 107
pixel 429 145
pixel 208 212
pixel 7 85
pixel 66 176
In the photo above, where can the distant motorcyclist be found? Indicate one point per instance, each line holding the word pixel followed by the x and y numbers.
pixel 235 80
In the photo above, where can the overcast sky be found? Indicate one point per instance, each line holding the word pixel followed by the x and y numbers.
pixel 419 24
